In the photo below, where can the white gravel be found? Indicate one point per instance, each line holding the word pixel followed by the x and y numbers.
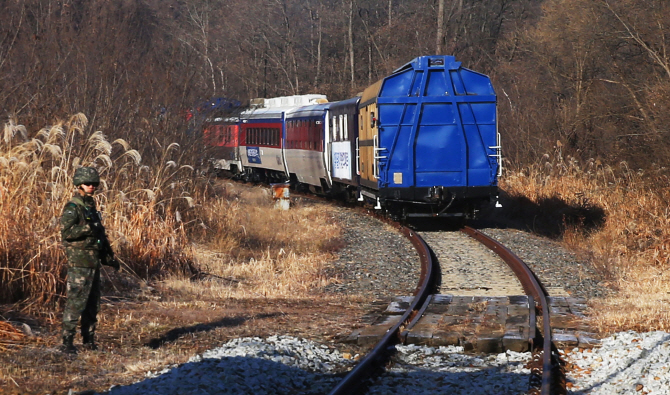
pixel 626 363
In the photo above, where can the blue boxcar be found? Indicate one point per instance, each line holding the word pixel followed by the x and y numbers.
pixel 435 139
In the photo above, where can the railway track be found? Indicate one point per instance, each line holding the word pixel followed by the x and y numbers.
pixel 546 377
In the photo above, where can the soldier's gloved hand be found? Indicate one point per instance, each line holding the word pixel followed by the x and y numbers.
pixel 113 262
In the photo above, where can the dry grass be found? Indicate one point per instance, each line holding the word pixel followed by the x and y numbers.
pixel 618 216
pixel 138 203
pixel 253 250
pixel 260 267
pixel 154 215
pixel 221 261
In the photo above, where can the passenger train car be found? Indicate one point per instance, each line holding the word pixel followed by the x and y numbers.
pixel 421 142
pixel 221 137
pixel 306 139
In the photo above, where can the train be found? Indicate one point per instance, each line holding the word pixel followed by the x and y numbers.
pixel 421 142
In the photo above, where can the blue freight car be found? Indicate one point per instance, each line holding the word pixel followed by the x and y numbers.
pixel 429 144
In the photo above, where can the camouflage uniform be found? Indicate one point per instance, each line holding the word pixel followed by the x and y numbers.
pixel 87 247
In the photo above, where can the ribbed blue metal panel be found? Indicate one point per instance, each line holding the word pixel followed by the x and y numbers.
pixel 437 125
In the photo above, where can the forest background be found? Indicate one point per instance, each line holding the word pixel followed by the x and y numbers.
pixel 583 91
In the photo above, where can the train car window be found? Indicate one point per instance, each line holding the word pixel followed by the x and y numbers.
pixel 341 122
pixel 346 128
pixel 336 127
pixel 314 134
pixel 330 129
pixel 303 131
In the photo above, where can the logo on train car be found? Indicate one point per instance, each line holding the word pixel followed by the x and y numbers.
pixel 342 160
pixel 253 155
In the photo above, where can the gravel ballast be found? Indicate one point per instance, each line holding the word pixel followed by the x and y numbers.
pixel 627 363
pixel 380 264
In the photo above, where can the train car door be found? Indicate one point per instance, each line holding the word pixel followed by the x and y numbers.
pixel 368 147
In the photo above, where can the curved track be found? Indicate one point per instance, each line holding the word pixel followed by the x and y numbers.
pixel 550 383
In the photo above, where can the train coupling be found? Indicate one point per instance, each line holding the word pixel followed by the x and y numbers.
pixel 435 194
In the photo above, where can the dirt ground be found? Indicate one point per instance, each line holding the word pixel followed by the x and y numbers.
pixel 155 328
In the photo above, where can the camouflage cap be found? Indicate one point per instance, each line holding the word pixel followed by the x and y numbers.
pixel 85 175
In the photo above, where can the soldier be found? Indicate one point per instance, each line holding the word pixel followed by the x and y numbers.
pixel 87 247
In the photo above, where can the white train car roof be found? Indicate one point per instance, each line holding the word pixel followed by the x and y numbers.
pixel 315 110
pixel 264 113
pixel 295 101
pixel 276 107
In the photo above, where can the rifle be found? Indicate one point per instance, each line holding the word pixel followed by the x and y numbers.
pixel 94 219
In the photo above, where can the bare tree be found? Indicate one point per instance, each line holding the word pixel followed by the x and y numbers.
pixel 440 27
pixel 351 43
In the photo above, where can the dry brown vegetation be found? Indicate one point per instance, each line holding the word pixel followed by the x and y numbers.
pixel 255 250
pixel 203 262
pixel 148 213
pixel 588 84
pixel 618 216
pixel 35 183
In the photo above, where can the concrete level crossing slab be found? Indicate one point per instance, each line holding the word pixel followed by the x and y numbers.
pixel 483 324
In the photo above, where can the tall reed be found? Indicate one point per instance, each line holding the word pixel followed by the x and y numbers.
pixel 140 206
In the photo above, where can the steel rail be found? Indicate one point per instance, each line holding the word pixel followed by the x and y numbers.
pixel 530 283
pixel 532 287
pixel 363 369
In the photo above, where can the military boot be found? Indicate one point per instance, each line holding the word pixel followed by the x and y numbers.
pixel 89 341
pixel 68 345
